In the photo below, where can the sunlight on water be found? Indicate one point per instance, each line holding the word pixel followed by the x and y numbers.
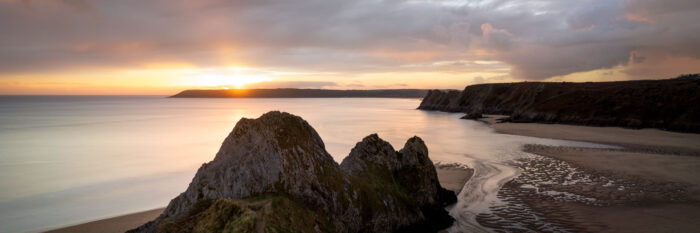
pixel 67 160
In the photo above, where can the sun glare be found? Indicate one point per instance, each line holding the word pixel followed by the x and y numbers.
pixel 228 81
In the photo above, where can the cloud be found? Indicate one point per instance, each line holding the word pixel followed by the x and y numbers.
pixel 536 39
pixel 292 84
pixel 497 39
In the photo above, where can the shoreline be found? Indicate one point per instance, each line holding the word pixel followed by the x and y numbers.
pixel 636 163
pixel 638 140
pixel 120 223
pixel 650 184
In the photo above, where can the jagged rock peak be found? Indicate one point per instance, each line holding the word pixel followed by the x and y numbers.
pixel 371 150
pixel 288 131
pixel 410 166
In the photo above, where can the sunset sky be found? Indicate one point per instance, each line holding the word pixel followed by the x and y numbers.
pixel 164 46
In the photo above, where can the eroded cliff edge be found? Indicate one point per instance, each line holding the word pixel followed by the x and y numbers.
pixel 273 174
pixel 671 104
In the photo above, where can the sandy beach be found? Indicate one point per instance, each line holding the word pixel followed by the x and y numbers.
pixel 653 141
pixel 453 176
pixel 113 225
pixel 650 185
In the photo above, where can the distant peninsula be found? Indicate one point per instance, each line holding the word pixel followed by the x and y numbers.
pixel 670 104
pixel 302 93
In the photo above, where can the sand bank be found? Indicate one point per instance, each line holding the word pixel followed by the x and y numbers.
pixel 453 176
pixel 639 140
pixel 112 225
pixel 651 185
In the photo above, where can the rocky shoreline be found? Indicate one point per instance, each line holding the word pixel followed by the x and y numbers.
pixel 452 177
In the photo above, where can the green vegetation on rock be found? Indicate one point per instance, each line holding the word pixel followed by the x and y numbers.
pixel 266 213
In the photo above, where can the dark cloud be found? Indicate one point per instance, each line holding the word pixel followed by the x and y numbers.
pixel 636 59
pixel 558 38
pixel 538 39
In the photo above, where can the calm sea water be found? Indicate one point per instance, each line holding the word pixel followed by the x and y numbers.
pixel 67 160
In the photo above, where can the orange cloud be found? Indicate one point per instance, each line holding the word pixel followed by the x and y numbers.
pixel 639 18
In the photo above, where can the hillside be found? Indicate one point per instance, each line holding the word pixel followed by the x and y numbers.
pixel 301 93
pixel 671 104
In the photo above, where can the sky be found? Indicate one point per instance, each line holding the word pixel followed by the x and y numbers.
pixel 164 46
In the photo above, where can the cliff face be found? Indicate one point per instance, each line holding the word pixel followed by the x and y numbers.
pixel 441 100
pixel 274 174
pixel 672 104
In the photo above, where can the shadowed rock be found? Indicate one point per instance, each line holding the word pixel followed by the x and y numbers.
pixel 475 114
pixel 274 174
pixel 671 104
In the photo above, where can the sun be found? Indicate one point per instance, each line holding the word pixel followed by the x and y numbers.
pixel 228 81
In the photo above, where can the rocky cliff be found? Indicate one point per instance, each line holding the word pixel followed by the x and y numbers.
pixel 672 104
pixel 273 174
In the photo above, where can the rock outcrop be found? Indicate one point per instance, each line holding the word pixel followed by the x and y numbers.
pixel 273 174
pixel 672 104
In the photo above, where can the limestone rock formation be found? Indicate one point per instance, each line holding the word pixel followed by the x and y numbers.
pixel 671 104
pixel 273 174
pixel 441 100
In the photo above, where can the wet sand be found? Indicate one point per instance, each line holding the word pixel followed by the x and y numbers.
pixel 652 184
pixel 639 140
pixel 112 225
pixel 451 176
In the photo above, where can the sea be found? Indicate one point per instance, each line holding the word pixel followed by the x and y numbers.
pixel 66 160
